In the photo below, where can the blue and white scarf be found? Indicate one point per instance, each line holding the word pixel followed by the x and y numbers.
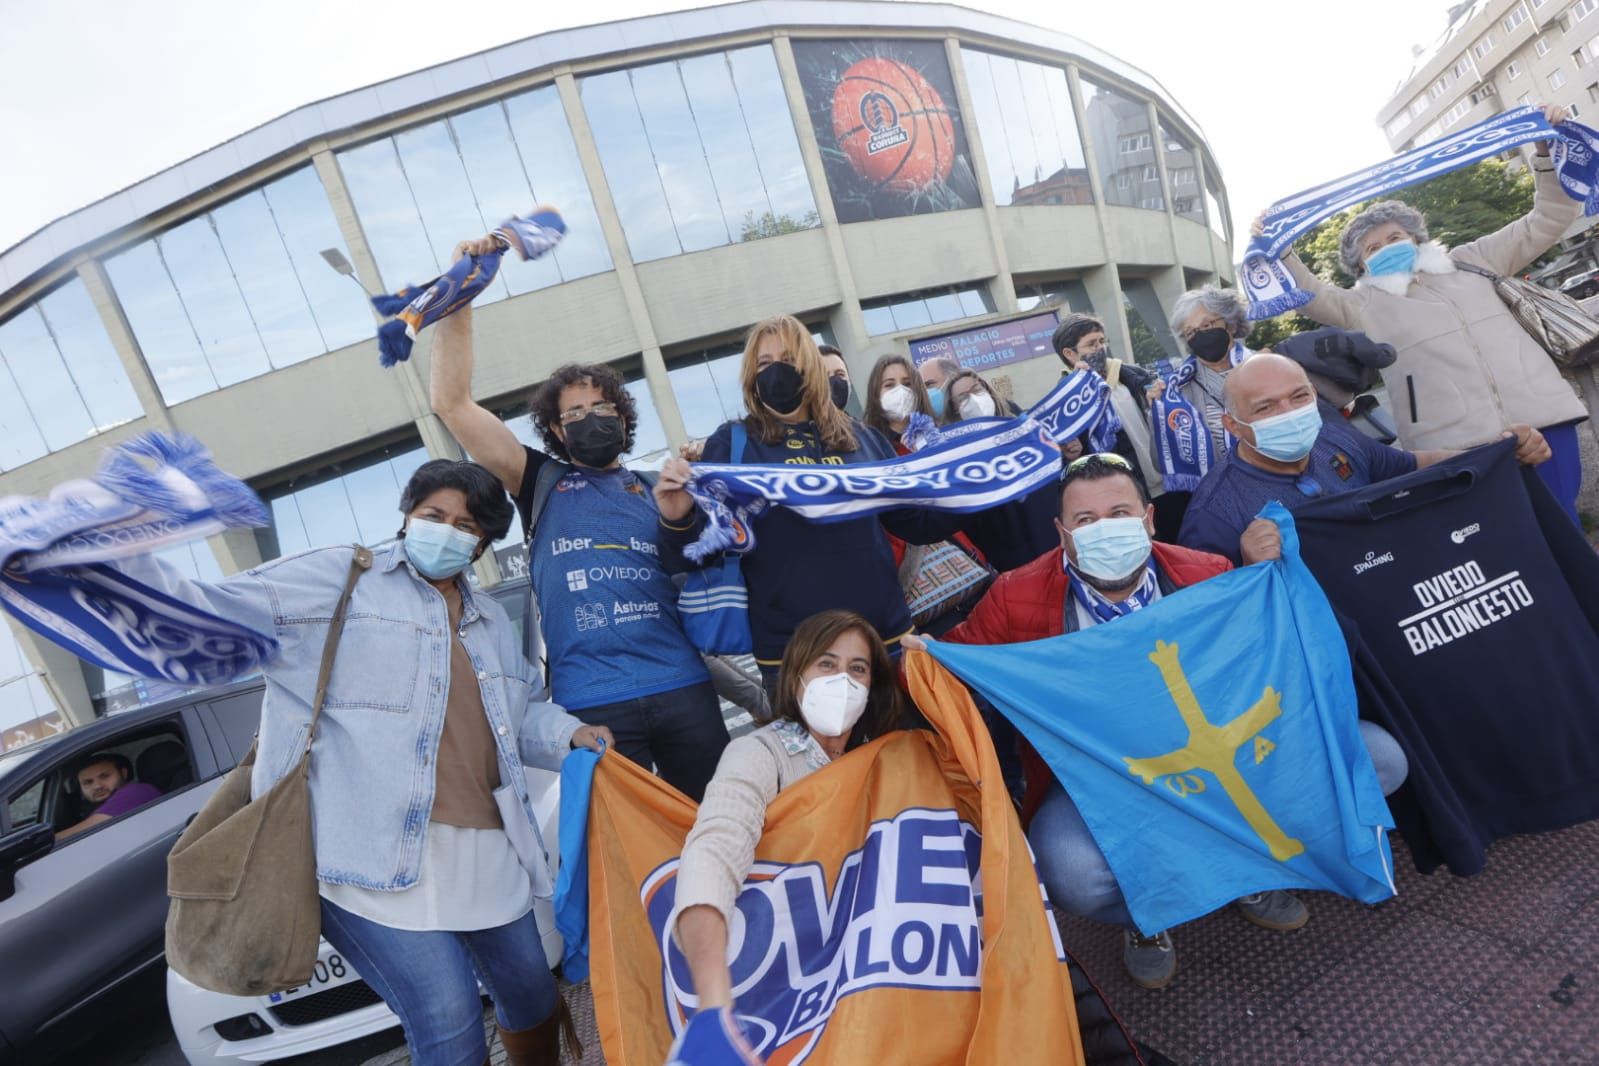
pixel 1184 450
pixel 969 466
pixel 418 306
pixel 1103 610
pixel 1269 286
pixel 150 493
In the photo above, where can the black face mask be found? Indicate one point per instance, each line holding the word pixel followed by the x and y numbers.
pixel 596 440
pixel 780 387
pixel 839 387
pixel 1210 344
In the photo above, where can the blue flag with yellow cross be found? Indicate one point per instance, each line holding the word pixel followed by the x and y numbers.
pixel 1210 741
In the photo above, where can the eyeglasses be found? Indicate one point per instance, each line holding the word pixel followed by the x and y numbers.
pixel 577 414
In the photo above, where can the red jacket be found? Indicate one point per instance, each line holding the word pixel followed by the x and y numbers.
pixel 1029 603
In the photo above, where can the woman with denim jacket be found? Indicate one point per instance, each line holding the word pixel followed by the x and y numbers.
pixel 418 798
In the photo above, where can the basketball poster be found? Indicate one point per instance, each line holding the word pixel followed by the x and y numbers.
pixel 889 127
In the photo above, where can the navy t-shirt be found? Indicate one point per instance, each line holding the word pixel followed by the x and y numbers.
pixel 1234 491
pixel 607 606
pixel 1479 601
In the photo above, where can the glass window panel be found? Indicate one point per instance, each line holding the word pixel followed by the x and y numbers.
pixel 879 320
pixel 1182 172
pixel 1215 208
pixel 494 169
pixel 1074 186
pixel 975 301
pixel 550 162
pixel 388 214
pixel 443 195
pixel 194 559
pixel 360 504
pixel 47 388
pixel 305 222
pixel 210 294
pixel 771 130
pixel 289 526
pixel 911 314
pixel 277 304
pixel 1123 146
pixel 944 307
pixel 160 324
pixel 328 516
pixel 708 81
pixel 89 355
pixel 707 388
pixel 1003 173
pixel 1030 140
pixel 649 439
pixel 1016 128
pixel 374 498
pixel 680 156
pixel 635 182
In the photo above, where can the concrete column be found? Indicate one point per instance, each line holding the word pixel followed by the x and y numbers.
pixel 1003 286
pixel 1159 140
pixel 849 325
pixel 588 155
pixel 1103 283
pixel 435 437
pixel 106 305
pixel 236 550
pixel 61 672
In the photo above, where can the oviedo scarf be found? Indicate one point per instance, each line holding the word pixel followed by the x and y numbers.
pixel 1269 286
pixel 1179 437
pixel 418 306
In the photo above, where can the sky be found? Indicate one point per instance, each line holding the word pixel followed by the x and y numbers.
pixel 97 94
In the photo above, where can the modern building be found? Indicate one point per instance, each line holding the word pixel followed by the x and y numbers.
pixel 884 171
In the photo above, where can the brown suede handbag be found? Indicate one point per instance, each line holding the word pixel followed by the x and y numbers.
pixel 245 918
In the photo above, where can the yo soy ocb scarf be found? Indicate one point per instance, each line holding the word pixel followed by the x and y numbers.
pixel 150 493
pixel 1267 282
pixel 418 306
pixel 969 466
pixel 1182 445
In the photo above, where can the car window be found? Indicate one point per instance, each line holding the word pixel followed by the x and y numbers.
pixel 161 760
pixel 239 716
pixel 24 808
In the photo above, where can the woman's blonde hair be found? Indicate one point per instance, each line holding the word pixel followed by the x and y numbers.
pixel 834 425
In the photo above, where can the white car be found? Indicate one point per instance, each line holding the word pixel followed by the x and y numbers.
pixel 336 1006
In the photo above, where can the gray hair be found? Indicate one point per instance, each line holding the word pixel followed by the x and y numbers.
pixel 1226 304
pixel 1410 220
pixel 946 365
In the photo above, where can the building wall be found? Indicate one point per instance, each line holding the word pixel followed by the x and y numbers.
pixel 214 315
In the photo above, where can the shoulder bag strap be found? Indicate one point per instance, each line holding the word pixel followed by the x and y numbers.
pixel 550 472
pixel 361 562
pixel 1472 268
pixel 736 441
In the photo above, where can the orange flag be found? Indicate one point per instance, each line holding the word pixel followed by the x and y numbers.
pixel 893 914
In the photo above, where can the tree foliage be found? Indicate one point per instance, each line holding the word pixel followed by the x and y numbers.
pixel 757 227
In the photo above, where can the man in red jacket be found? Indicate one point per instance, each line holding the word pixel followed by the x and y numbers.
pixel 1106 568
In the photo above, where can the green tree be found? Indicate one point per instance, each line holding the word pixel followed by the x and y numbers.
pixel 767 224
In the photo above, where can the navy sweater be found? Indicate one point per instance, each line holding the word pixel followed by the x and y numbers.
pixel 799 567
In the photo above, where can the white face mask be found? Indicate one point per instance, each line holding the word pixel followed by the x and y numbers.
pixel 833 703
pixel 977 405
pixel 898 402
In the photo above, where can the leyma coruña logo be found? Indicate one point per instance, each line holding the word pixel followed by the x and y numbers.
pixel 906 912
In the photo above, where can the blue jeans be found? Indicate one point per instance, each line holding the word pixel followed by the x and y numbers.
pixel 680 734
pixel 430 980
pixel 1075 872
pixel 1562 471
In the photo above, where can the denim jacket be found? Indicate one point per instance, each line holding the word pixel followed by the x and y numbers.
pixel 372 763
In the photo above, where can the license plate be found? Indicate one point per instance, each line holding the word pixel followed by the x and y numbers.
pixel 329 972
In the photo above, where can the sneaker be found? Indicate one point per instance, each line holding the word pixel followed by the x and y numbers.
pixel 1150 960
pixel 1276 910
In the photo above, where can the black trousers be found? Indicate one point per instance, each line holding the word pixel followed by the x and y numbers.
pixel 679 734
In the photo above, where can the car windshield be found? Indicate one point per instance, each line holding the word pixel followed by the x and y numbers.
pixel 10 760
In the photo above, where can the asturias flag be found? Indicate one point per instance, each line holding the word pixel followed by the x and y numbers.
pixel 1209 740
pixel 893 913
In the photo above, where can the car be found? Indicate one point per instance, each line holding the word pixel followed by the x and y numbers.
pixel 82 920
pixel 1582 285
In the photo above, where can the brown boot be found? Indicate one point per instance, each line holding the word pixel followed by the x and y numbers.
pixel 541 1045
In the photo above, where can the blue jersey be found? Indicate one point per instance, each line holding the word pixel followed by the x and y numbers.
pixel 608 608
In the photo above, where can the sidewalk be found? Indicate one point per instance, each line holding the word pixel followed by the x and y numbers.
pixel 1500 969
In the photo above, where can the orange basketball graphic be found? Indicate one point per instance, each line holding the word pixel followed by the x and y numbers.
pixel 892 126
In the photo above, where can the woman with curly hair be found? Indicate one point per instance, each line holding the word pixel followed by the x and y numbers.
pixel 616 652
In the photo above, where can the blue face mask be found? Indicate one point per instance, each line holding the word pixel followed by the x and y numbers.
pixel 935 396
pixel 436 550
pixel 1396 258
pixel 1112 548
pixel 1288 437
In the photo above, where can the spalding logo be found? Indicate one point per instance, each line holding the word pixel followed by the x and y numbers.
pixel 906 912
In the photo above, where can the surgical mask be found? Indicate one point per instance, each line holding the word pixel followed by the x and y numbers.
pixel 833 703
pixel 436 550
pixel 977 405
pixel 596 440
pixel 1112 548
pixel 1210 344
pixel 839 387
pixel 898 402
pixel 780 387
pixel 1288 437
pixel 1396 258
pixel 935 396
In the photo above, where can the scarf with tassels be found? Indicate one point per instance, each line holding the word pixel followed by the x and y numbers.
pixel 1269 286
pixel 418 306
pixel 969 466
pixel 150 493
pixel 1181 442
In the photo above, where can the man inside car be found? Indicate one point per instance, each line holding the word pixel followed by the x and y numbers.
pixel 106 779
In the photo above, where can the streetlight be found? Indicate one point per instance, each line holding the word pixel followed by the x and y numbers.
pixel 341 265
